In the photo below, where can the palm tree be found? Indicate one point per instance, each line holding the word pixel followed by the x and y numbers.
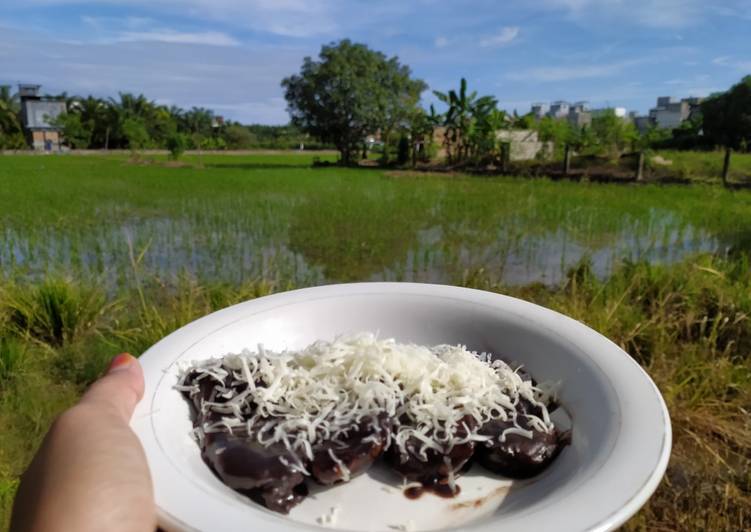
pixel 10 110
pixel 94 117
pixel 198 121
pixel 120 109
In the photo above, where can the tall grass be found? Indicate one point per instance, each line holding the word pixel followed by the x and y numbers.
pixel 54 312
pixel 12 354
pixel 705 166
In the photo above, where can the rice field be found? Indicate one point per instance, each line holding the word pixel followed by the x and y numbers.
pixel 100 255
pixel 275 217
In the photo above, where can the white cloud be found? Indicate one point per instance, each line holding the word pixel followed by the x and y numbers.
pixel 289 18
pixel 241 82
pixel 743 65
pixel 506 35
pixel 564 73
pixel 142 29
pixel 269 111
pixel 441 42
pixel 648 13
pixel 209 38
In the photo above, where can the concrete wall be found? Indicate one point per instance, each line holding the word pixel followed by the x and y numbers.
pixel 39 113
pixel 43 139
pixel 525 144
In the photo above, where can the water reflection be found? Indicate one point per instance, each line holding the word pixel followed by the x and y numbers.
pixel 342 246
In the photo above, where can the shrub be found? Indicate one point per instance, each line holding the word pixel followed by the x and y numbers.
pixel 136 133
pixel 56 312
pixel 176 144
pixel 238 137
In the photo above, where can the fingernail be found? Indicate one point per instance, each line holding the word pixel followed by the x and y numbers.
pixel 121 361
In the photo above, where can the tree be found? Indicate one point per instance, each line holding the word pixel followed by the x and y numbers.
pixel 421 127
pixel 613 134
pixel 176 144
pixel 471 123
pixel 727 120
pixel 348 92
pixel 75 133
pixel 197 121
pixel 559 132
pixel 135 132
pixel 10 109
pixel 238 137
pixel 11 132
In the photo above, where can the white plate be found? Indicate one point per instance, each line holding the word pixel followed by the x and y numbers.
pixel 621 429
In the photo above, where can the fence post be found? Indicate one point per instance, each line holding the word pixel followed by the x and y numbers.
pixel 505 156
pixel 640 167
pixel 726 167
pixel 567 160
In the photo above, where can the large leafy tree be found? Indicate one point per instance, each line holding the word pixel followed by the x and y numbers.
pixel 349 92
pixel 727 120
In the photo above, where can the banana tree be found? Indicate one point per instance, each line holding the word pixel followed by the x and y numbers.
pixel 470 123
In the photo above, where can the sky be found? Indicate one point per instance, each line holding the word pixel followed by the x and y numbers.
pixel 230 55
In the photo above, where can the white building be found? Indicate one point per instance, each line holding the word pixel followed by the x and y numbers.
pixel 559 109
pixel 579 115
pixel 539 109
pixel 671 113
pixel 620 112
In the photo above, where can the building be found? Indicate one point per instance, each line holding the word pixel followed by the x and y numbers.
pixel 670 113
pixel 620 112
pixel 579 115
pixel 524 144
pixel 540 109
pixel 37 113
pixel 642 123
pixel 558 109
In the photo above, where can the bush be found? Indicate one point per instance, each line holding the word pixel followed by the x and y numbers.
pixel 12 141
pixel 238 137
pixel 176 144
pixel 136 133
pixel 56 312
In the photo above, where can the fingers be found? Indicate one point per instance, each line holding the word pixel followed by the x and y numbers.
pixel 90 473
pixel 119 389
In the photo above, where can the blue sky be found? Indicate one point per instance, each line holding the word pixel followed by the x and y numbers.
pixel 230 55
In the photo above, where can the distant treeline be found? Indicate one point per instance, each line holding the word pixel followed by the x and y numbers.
pixel 135 122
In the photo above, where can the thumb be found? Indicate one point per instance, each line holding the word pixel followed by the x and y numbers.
pixel 119 389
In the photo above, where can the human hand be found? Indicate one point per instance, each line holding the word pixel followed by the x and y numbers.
pixel 90 472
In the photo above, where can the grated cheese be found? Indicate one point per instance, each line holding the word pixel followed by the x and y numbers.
pixel 300 399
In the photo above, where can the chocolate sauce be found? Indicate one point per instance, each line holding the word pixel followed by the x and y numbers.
pixel 518 456
pixel 434 468
pixel 357 451
pixel 272 475
pixel 441 489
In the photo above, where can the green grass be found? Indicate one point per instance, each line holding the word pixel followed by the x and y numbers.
pixel 706 166
pixel 99 256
